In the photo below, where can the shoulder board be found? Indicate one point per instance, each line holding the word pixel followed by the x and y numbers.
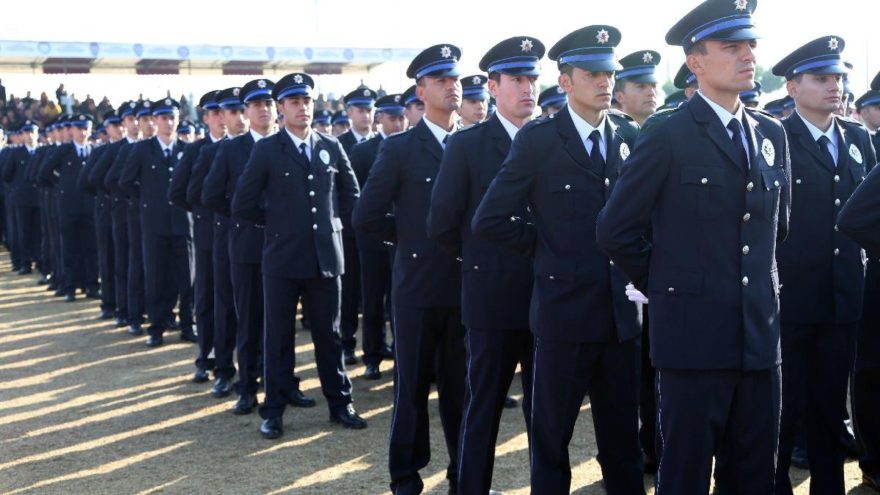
pixel 399 135
pixel 760 112
pixel 850 121
pixel 617 113
pixel 659 117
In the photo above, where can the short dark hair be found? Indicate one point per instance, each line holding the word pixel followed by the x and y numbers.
pixel 567 69
pixel 698 47
pixel 495 76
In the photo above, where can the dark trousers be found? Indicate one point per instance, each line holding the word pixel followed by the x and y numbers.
pixel 224 314
pixel 136 287
pixel 492 357
pixel 167 277
pixel 28 222
pixel 815 373
pixel 106 264
pixel 203 292
pixel 13 239
pixel 247 288
pixel 119 227
pixel 80 252
pixel 322 298
pixel 376 294
pixel 731 414
pixel 564 373
pixel 647 399
pixel 57 251
pixel 866 378
pixel 351 294
pixel 46 267
pixel 428 342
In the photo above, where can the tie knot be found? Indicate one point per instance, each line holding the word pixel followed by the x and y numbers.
pixel 445 139
pixel 823 140
pixel 302 147
pixel 594 136
pixel 735 127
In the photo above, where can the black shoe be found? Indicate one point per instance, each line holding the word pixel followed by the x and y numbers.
pixel 298 399
pixel 93 294
pixel 52 287
pixel 387 352
pixel 350 358
pixel 245 405
pixel 154 341
pixel 135 329
pixel 372 372
pixel 871 481
pixel 800 458
pixel 25 271
pixel 69 298
pixel 200 376
pixel 510 402
pixel 221 388
pixel 349 418
pixel 271 428
pixel 44 280
pixel 120 322
pixel 106 314
pixel 187 335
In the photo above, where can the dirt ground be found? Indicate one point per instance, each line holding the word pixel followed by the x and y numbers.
pixel 85 408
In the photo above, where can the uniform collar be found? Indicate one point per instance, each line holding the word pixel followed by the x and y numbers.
pixel 439 133
pixel 510 128
pixel 358 137
pixel 169 146
pixel 831 133
pixel 722 112
pixel 309 140
pixel 584 128
pixel 257 136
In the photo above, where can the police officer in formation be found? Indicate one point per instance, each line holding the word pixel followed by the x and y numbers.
pixel 636 256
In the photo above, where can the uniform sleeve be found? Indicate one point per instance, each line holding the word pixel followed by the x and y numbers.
pixel 200 170
pixel 180 178
pixel 250 187
pixel 131 173
pixel 47 176
pixel 370 216
pixel 7 171
pixel 860 217
pixel 214 184
pixel 99 171
pixel 346 187
pixel 785 193
pixel 495 218
pixel 624 224
pixel 111 180
pixel 449 198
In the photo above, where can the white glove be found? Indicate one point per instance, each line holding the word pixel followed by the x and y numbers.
pixel 634 295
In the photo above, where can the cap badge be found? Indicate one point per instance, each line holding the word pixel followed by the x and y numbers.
pixel 366 92
pixel 741 4
pixel 833 43
pixel 526 45
pixel 261 84
pixel 236 91
pixel 602 36
pixel 298 79
pixel 446 52
pixel 147 104
pixel 647 58
pixel 397 98
pixel 476 80
pixel 560 90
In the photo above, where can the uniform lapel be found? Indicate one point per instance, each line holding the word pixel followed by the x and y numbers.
pixel 429 142
pixel 806 141
pixel 704 114
pixel 756 139
pixel 571 140
pixel 843 146
pixel 499 135
pixel 290 150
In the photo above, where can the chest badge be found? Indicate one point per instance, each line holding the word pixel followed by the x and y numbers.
pixel 324 155
pixel 855 153
pixel 768 151
pixel 624 151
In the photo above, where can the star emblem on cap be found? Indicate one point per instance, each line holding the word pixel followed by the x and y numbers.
pixel 397 99
pixel 146 104
pixel 602 36
pixel 741 4
pixel 132 104
pixel 366 92
pixel 235 92
pixel 647 58
pixel 560 90
pixel 446 52
pixel 476 80
pixel 833 43
pixel 298 79
pixel 526 45
pixel 261 84
pixel 167 101
pixel 82 117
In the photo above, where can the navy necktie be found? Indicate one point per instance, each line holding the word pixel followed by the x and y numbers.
pixel 302 151
pixel 735 126
pixel 596 153
pixel 823 142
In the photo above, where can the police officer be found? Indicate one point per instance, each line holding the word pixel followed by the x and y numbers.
pixel 167 233
pixel 552 100
pixel 868 107
pixel 186 131
pixel 636 84
pixel 24 195
pixel 49 204
pixel 426 281
pixel 359 104
pixel 76 210
pixel 474 100
pixel 564 168
pixel 414 107
pixel 298 184
pixel 752 97
pixel 822 270
pixel 496 283
pixel 321 121
pixel 12 236
pixel 118 207
pixel 232 113
pixel 686 81
pixel 375 255
pixel 708 184
pixel 341 123
pixel 47 268
pixel 203 233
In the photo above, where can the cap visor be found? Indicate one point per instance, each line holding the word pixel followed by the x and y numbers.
pixel 736 35
pixel 598 66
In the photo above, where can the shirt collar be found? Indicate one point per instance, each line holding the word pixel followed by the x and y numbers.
pixel 297 141
pixel 722 112
pixel 358 137
pixel 509 127
pixel 831 133
pixel 438 132
pixel 80 147
pixel 214 140
pixel 169 146
pixel 257 136
pixel 584 128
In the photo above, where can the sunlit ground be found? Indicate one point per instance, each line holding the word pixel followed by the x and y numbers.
pixel 85 408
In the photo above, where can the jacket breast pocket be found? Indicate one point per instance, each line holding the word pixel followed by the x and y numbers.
pixel 562 191
pixel 773 182
pixel 706 186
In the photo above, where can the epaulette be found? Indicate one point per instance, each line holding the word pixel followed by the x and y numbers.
pixel 762 112
pixel 659 117
pixel 617 113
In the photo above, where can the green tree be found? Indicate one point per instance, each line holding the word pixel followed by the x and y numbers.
pixel 769 82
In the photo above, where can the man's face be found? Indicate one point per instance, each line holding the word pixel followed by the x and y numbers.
pixel 188 137
pixel 638 99
pixel 80 134
pixel 261 114
pixel 414 113
pixel 29 138
pixel 871 116
pixel 214 120
pixel 131 125
pixel 441 93
pixel 473 111
pixel 114 132
pixel 361 118
pixel 340 129
pixel 392 124
pixel 235 120
pixel 588 89
pixel 515 96
pixel 297 111
pixel 818 93
pixel 322 128
pixel 166 124
pixel 727 66
pixel 146 126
